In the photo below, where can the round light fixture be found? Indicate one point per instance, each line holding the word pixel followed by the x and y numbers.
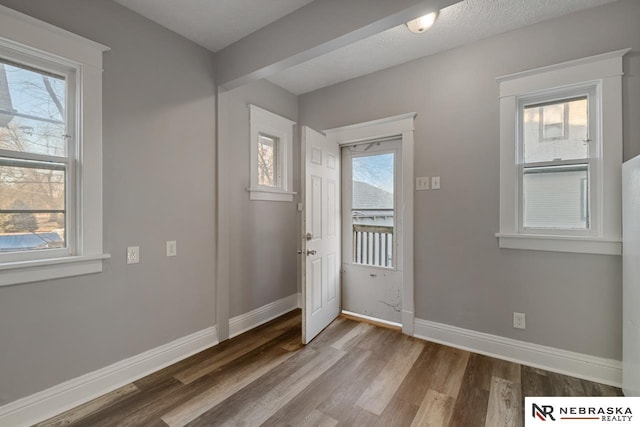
pixel 422 24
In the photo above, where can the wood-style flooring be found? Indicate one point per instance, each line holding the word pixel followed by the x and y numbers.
pixel 352 374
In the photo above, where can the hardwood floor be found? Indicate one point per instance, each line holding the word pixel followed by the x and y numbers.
pixel 352 374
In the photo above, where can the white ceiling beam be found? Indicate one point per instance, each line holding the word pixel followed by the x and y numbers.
pixel 311 31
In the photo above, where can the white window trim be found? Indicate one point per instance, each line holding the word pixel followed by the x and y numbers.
pixel 29 36
pixel 605 72
pixel 69 72
pixel 268 123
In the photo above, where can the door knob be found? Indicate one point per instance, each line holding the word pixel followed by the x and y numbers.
pixel 311 252
pixel 299 251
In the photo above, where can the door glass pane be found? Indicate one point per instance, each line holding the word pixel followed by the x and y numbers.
pixel 373 209
pixel 556 131
pixel 32 207
pixel 267 160
pixel 32 111
pixel 556 197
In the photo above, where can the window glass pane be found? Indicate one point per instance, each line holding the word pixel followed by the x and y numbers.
pixel 32 111
pixel 556 131
pixel 556 197
pixel 373 209
pixel 267 160
pixel 373 181
pixel 31 231
pixel 32 207
pixel 31 188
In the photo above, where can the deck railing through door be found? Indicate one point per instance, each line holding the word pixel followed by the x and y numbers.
pixel 373 245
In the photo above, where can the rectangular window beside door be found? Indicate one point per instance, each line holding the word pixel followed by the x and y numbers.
pixel 558 150
pixel 268 171
pixel 271 156
pixel 560 157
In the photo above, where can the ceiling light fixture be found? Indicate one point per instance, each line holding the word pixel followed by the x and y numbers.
pixel 422 24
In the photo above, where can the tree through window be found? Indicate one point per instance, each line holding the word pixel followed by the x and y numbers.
pixel 34 159
pixel 267 160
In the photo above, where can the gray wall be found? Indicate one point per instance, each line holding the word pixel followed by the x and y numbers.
pixel 159 112
pixel 462 278
pixel 263 241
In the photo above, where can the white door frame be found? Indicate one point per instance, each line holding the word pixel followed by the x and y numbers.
pixel 403 127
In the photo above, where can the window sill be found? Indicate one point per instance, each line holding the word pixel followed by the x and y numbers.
pixel 573 244
pixel 270 195
pixel 14 273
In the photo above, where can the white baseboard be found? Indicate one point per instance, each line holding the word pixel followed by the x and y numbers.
pixel 254 318
pixel 62 397
pixel 605 371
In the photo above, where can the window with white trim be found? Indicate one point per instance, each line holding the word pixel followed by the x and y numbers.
pixel 558 148
pixel 50 151
pixel 271 156
pixel 37 157
pixel 560 157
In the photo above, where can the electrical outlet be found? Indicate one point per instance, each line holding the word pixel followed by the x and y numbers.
pixel 133 255
pixel 519 320
pixel 422 183
pixel 172 248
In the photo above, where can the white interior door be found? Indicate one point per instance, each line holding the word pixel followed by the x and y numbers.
pixel 321 233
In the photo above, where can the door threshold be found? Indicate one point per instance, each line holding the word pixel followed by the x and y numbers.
pixel 373 320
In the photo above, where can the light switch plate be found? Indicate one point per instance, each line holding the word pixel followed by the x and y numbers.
pixel 133 254
pixel 422 183
pixel 172 248
pixel 435 182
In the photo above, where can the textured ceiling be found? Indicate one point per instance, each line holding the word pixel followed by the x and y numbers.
pixel 214 24
pixel 458 24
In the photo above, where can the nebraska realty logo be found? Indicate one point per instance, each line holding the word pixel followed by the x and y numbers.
pixel 582 411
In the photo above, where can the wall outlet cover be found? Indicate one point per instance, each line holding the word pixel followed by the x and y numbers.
pixel 519 320
pixel 133 255
pixel 172 248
